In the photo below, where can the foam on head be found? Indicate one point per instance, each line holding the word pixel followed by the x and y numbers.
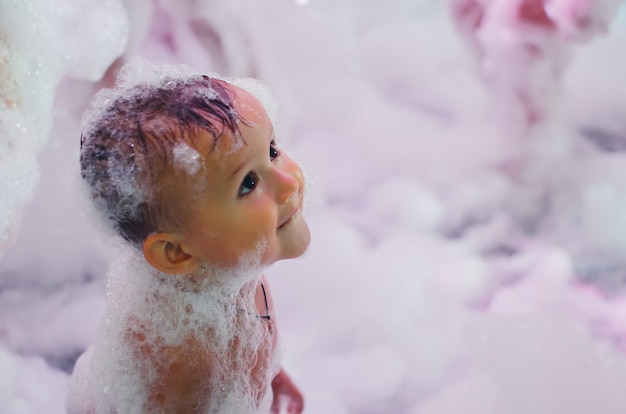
pixel 260 91
pixel 139 71
pixel 186 158
pixel 152 122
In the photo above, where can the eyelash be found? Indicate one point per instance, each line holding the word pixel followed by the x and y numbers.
pixel 250 181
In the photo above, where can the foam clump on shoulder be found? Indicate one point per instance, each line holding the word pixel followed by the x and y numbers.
pixel 154 321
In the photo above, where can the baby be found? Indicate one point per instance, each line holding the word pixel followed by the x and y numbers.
pixel 187 170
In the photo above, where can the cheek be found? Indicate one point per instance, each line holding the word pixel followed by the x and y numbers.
pixel 259 235
pixel 259 220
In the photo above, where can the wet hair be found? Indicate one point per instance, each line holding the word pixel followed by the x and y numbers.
pixel 127 149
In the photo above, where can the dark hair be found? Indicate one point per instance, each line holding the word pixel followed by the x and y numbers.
pixel 125 151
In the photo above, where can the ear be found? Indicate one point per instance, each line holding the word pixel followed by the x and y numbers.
pixel 167 253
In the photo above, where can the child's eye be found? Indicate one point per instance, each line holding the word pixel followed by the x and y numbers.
pixel 248 184
pixel 274 153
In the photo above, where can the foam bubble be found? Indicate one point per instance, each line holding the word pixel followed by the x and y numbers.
pixel 39 50
pixel 29 385
pixel 9 368
pixel 134 77
pixel 186 158
pixel 402 202
pixel 80 399
pixel 261 91
pixel 18 169
pixel 36 51
pixel 139 71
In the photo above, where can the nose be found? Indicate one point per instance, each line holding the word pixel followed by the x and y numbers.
pixel 286 184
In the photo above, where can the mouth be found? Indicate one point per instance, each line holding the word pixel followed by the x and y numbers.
pixel 289 218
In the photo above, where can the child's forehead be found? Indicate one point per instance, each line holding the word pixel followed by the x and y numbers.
pixel 248 106
pixel 254 121
pixel 220 153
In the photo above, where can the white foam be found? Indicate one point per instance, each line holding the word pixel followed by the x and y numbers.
pixel 29 385
pixel 139 71
pixel 261 91
pixel 18 169
pixel 186 158
pixel 166 309
pixel 41 50
pixel 80 399
pixel 36 51
pixel 8 366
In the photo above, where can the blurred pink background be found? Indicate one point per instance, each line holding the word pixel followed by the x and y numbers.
pixel 466 162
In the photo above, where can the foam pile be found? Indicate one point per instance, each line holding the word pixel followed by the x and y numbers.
pixel 40 43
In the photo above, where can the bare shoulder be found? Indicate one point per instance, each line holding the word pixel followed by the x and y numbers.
pixel 178 377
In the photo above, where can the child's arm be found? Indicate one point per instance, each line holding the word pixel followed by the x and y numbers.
pixel 286 392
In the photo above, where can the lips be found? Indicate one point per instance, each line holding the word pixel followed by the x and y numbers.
pixel 289 217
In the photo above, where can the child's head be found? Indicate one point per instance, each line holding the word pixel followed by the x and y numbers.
pixel 187 169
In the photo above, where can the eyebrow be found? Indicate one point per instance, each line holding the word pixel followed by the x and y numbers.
pixel 243 164
pixel 272 137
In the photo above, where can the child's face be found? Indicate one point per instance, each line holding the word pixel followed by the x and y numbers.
pixel 251 195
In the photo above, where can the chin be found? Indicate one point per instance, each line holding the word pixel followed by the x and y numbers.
pixel 299 251
pixel 298 246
